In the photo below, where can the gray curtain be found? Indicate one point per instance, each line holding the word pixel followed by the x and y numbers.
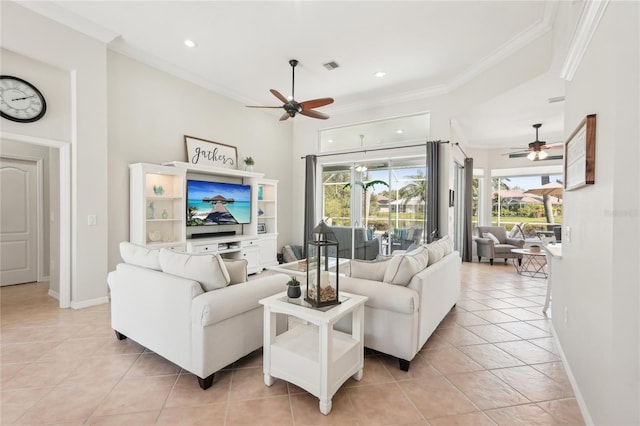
pixel 309 199
pixel 433 192
pixel 467 248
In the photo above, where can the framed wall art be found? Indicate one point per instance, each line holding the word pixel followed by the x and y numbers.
pixel 580 155
pixel 209 153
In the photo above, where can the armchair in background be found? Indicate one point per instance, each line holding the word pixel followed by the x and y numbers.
pixel 499 246
pixel 366 247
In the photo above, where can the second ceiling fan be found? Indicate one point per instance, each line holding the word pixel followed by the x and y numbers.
pixel 537 149
pixel 292 107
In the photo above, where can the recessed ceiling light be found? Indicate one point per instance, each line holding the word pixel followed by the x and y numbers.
pixel 190 43
pixel 380 74
pixel 399 131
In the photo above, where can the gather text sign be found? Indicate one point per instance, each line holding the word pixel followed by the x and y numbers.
pixel 209 153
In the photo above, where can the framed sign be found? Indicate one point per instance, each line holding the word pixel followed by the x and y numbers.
pixel 580 155
pixel 208 153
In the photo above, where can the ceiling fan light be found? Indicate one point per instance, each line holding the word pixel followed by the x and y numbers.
pixel 531 155
pixel 542 155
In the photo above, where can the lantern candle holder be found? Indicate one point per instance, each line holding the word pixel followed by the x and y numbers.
pixel 322 255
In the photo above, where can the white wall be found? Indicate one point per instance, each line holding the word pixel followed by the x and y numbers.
pixel 150 112
pixel 598 284
pixel 76 113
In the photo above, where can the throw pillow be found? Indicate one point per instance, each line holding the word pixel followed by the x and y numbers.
pixel 421 255
pixel 436 252
pixel 447 243
pixel 237 270
pixel 288 255
pixel 491 237
pixel 207 269
pixel 140 255
pixel 369 269
pixel 401 269
pixel 297 251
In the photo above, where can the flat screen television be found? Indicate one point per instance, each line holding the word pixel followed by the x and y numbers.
pixel 217 203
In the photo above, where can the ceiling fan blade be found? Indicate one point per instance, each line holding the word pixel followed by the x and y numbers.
pixel 257 106
pixel 284 116
pixel 555 157
pixel 316 103
pixel 279 96
pixel 518 154
pixel 314 114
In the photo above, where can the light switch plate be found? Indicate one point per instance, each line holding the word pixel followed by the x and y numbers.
pixel 92 220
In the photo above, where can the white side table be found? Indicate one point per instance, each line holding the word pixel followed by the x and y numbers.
pixel 313 355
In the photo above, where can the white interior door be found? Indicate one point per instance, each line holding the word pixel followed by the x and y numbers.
pixel 18 221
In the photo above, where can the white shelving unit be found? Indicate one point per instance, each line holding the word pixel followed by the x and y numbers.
pixel 164 225
pixel 268 205
pixel 157 213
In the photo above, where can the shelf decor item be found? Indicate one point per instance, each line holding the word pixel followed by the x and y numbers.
pixel 158 189
pixel 249 162
pixel 293 288
pixel 322 254
pixel 208 153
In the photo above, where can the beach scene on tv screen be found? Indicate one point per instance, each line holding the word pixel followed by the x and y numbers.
pixel 217 203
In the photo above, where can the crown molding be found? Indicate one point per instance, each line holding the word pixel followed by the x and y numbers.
pixel 590 17
pixel 528 35
pixel 70 19
pixel 522 39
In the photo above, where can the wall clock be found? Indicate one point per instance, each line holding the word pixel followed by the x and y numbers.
pixel 20 100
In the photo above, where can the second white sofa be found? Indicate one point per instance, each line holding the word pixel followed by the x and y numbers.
pixel 400 317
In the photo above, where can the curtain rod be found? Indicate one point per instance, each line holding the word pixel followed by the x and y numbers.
pixel 376 149
pixel 457 144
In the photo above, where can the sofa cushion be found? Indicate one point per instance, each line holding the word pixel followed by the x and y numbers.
pixel 237 270
pixel 140 255
pixel 401 269
pixel 436 252
pixel 369 269
pixel 447 244
pixel 288 255
pixel 207 269
pixel 421 255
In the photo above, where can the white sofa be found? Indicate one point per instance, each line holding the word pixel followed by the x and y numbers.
pixel 200 331
pixel 400 318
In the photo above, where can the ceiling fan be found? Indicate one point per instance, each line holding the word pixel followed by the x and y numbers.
pixel 292 107
pixel 537 149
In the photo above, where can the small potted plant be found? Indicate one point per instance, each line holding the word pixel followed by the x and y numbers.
pixel 534 248
pixel 293 290
pixel 248 162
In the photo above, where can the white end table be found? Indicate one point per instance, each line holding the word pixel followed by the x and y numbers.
pixel 313 355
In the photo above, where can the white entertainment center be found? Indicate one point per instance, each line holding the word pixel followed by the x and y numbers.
pixel 158 213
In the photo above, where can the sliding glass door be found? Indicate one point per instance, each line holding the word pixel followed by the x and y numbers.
pixel 382 202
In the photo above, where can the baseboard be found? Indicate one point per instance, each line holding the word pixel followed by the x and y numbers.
pixel 91 302
pixel 54 294
pixel 574 385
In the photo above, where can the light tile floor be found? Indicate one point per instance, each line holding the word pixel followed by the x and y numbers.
pixel 491 361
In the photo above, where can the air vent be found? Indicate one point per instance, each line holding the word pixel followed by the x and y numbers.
pixel 556 99
pixel 331 65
